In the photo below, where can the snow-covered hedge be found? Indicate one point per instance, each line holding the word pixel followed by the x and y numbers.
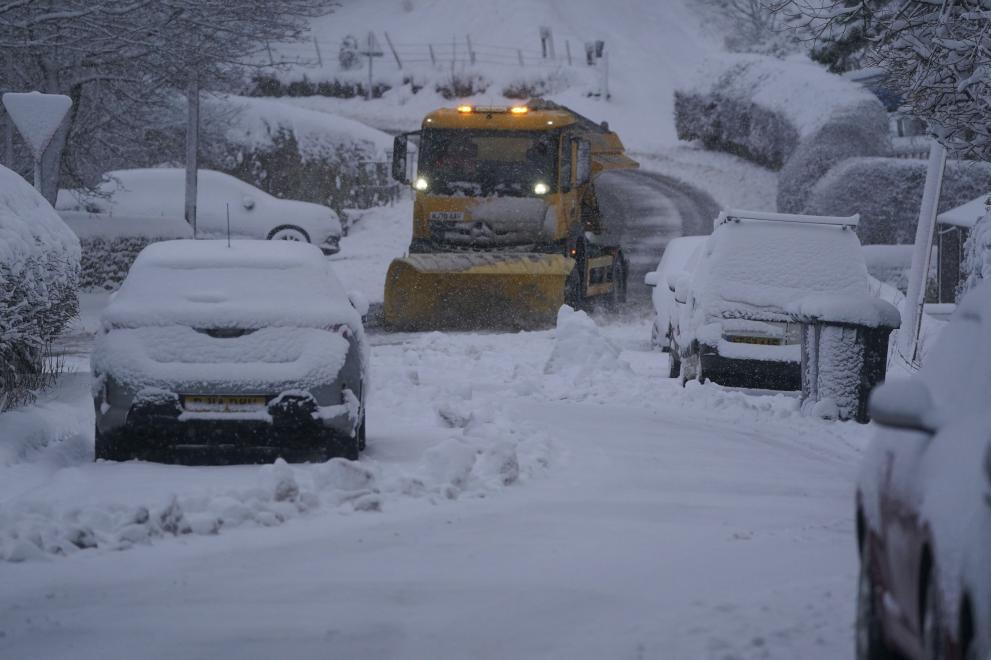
pixel 39 272
pixel 761 107
pixel 295 153
pixel 887 193
pixel 860 129
pixel 110 247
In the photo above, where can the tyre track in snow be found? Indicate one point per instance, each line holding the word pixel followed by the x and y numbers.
pixel 645 211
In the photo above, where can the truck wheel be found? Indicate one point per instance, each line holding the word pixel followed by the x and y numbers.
pixel 573 289
pixel 104 449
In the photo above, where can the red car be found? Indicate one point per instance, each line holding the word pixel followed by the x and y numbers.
pixel 924 502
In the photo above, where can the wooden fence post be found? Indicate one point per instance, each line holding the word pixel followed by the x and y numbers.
pixel 399 62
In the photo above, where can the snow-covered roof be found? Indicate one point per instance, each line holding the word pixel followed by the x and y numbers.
pixel 966 215
pixel 251 284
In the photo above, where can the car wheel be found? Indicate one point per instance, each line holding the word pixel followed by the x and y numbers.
pixel 289 233
pixel 362 443
pixel 933 639
pixel 104 448
pixel 869 626
pixel 674 363
pixel 691 369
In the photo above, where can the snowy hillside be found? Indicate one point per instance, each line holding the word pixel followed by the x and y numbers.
pixel 653 48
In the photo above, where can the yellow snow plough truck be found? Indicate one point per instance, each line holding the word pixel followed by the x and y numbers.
pixel 506 224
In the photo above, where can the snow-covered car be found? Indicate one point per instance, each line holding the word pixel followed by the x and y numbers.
pixel 151 194
pixel 680 255
pixel 253 348
pixel 924 502
pixel 735 326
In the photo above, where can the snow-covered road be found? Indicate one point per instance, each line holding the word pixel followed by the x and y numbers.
pixel 524 495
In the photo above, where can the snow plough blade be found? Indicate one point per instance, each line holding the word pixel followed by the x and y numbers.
pixel 475 290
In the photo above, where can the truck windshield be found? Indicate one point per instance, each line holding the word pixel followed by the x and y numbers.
pixel 486 163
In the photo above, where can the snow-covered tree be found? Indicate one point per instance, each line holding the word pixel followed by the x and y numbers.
pixel 751 26
pixel 935 54
pixel 121 61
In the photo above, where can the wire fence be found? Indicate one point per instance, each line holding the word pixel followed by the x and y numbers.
pixel 460 51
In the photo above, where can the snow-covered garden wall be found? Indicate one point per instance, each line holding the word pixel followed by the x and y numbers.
pixel 765 109
pixel 887 193
pixel 39 271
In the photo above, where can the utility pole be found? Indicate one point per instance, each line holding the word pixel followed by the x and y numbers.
pixel 372 50
pixel 915 297
pixel 192 146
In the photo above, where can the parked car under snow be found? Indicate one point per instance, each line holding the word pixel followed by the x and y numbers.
pixel 924 502
pixel 734 321
pixel 208 350
pixel 680 255
pixel 151 194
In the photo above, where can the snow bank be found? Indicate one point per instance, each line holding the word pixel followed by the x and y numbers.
pixel 487 455
pixel 581 349
pixel 887 193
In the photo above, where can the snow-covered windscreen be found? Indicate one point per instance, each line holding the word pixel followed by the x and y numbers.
pixel 251 284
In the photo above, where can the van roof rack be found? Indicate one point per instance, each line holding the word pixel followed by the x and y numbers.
pixel 736 215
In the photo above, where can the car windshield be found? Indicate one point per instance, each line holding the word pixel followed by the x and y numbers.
pixel 476 163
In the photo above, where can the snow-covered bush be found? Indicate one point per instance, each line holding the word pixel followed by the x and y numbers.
pixel 294 153
pixel 347 56
pixel 887 193
pixel 977 256
pixel 761 107
pixel 736 126
pixel 39 271
pixel 858 130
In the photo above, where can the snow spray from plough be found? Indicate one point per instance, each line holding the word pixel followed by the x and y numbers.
pixel 506 224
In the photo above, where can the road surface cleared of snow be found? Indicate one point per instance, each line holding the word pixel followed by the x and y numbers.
pixel 641 520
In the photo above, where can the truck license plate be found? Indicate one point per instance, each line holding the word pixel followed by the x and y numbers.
pixel 447 216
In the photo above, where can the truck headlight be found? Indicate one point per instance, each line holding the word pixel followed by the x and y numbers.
pixel 421 184
pixel 541 189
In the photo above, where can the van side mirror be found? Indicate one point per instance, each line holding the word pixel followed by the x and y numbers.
pixel 399 166
pixel 904 404
pixel 650 279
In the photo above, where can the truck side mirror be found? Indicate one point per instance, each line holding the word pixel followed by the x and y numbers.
pixel 583 165
pixel 399 158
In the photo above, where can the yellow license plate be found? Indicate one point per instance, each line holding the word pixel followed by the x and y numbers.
pixel 211 403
